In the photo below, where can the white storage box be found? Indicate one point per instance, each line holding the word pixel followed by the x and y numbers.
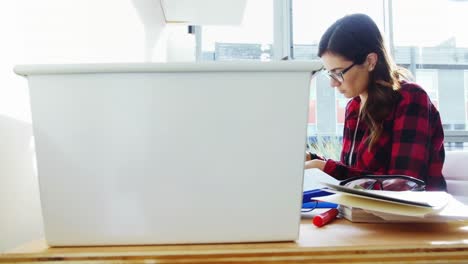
pixel 170 153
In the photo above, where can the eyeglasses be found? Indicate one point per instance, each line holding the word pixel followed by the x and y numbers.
pixel 338 76
pixel 385 182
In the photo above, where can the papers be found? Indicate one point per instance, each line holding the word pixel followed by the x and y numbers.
pixel 376 205
pixel 454 211
pixel 435 200
pixel 316 179
pixel 387 206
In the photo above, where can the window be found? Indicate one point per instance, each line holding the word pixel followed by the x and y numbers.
pixel 465 143
pixel 252 40
pixel 312 18
pixel 434 46
pixel 429 81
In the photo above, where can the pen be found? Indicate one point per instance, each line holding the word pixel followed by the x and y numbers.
pixel 325 218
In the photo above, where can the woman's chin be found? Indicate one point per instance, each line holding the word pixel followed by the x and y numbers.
pixel 346 95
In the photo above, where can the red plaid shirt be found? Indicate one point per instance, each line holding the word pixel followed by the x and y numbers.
pixel 411 142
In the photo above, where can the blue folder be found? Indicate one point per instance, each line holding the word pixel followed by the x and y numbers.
pixel 308 201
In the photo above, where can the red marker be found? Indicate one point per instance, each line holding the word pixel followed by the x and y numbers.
pixel 325 218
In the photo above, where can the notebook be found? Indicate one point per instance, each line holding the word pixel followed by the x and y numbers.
pixel 170 153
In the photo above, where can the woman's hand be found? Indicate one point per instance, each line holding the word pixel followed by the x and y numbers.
pixel 316 163
pixel 311 156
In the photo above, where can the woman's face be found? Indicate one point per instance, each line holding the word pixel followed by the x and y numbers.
pixel 355 79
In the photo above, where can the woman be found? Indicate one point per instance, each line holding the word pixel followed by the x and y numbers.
pixel 391 127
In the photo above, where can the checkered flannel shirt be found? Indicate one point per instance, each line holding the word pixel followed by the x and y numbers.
pixel 411 142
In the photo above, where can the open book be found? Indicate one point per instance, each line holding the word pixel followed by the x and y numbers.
pixel 388 206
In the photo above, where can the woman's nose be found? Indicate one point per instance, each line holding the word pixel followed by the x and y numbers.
pixel 334 83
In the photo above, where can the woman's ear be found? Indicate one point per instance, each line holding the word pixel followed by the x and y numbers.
pixel 371 61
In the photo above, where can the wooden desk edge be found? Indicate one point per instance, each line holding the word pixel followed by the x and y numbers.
pixel 448 244
pixel 349 254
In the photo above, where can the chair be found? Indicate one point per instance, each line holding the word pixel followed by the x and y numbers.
pixel 455 171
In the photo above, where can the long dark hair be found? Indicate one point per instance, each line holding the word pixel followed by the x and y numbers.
pixel 354 37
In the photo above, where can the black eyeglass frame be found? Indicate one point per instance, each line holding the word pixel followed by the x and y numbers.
pixel 378 178
pixel 339 74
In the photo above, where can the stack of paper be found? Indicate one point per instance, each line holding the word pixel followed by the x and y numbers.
pixel 359 215
pixel 405 206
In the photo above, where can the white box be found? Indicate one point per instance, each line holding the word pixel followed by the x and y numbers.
pixel 170 153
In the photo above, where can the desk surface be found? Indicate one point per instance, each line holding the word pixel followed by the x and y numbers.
pixel 340 241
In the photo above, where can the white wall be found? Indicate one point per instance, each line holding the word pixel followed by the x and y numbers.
pixel 58 31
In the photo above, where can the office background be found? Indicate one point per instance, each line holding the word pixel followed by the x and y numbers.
pixel 433 44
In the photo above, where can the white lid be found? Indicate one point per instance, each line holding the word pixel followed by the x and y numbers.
pixel 225 66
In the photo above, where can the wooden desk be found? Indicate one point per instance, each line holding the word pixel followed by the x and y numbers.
pixel 338 242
